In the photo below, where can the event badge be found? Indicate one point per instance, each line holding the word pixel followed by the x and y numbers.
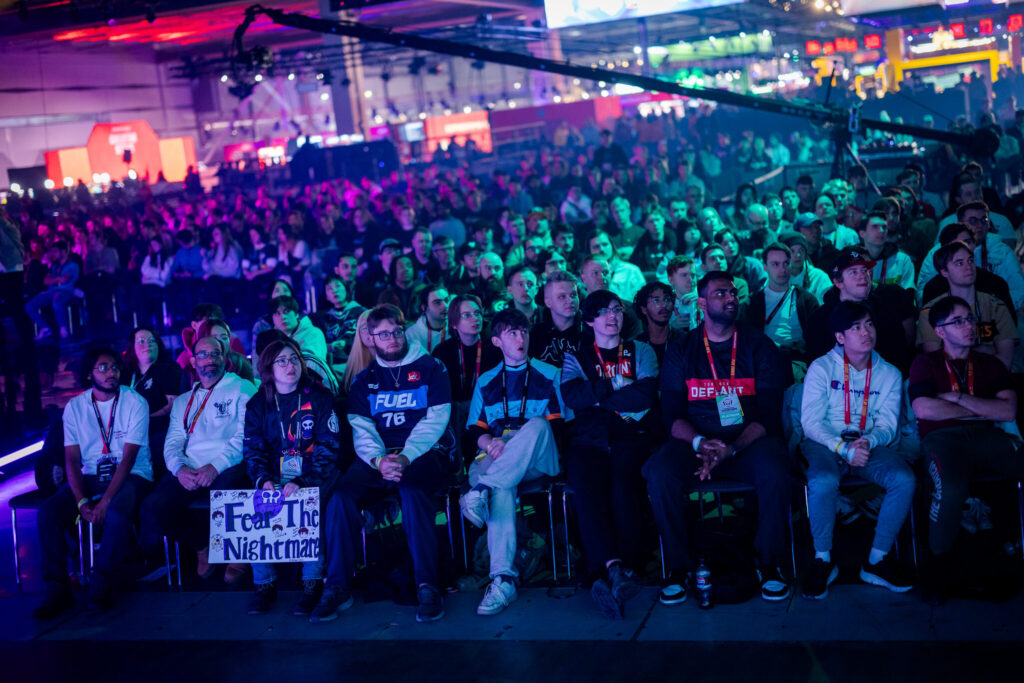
pixel 291 465
pixel 729 410
pixel 105 469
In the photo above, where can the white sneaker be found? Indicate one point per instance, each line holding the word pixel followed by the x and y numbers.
pixel 473 504
pixel 499 595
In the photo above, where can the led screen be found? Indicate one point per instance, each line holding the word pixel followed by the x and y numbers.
pixel 562 13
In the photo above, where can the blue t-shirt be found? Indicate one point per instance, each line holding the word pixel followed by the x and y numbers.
pixel 543 397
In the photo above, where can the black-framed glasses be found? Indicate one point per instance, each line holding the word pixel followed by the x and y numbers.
pixel 471 315
pixel 108 367
pixel 285 362
pixel 204 355
pixel 614 310
pixel 389 334
pixel 959 322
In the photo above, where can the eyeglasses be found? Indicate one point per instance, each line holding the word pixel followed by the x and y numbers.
pixel 977 220
pixel 658 300
pixel 108 367
pixel 472 315
pixel 959 322
pixel 389 334
pixel 285 362
pixel 204 355
pixel 614 310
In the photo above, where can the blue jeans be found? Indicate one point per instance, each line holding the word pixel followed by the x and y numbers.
pixel 886 467
pixel 266 572
pixel 55 297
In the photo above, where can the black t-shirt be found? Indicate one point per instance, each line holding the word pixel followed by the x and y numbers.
pixel 930 377
pixel 463 375
pixel 163 379
pixel 550 344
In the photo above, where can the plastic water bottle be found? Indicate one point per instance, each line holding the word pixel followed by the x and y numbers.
pixel 704 585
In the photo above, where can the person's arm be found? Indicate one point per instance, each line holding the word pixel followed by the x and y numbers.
pixel 174 442
pixel 578 390
pixel 326 445
pixel 814 408
pixel 1002 408
pixel 73 470
pixel 124 468
pixel 231 454
pixel 887 419
pixel 936 409
pixel 752 431
pixel 428 431
pixel 640 394
pixel 1004 351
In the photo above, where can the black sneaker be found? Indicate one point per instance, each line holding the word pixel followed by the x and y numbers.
pixel 604 598
pixel 431 604
pixel 623 582
pixel 674 590
pixel 774 586
pixel 333 601
pixel 58 599
pixel 263 599
pixel 819 578
pixel 311 592
pixel 888 574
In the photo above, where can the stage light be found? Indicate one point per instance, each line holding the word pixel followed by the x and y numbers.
pixel 517 85
pixel 21 452
pixel 325 96
pixel 49 184
pixel 132 174
pixel 16 188
pixel 69 181
pixel 367 94
pixel 467 109
pixel 258 77
pixel 224 78
pixel 291 77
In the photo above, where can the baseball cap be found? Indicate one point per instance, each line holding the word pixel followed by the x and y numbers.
pixel 850 257
pixel 389 242
pixel 468 248
pixel 792 238
pixel 805 220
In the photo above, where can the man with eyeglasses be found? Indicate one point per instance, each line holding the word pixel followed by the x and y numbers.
pixel 203 452
pixel 969 190
pixel 990 252
pixel 960 398
pixel 610 384
pixel 721 391
pixel 997 332
pixel 654 304
pixel 399 408
pixel 892 308
pixel 107 459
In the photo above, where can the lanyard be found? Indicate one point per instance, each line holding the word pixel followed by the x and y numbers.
pixel 954 381
pixel 775 310
pixel 885 266
pixel 504 391
pixel 285 441
pixel 462 361
pixel 602 367
pixel 846 393
pixel 711 360
pixel 430 330
pixel 108 432
pixel 189 428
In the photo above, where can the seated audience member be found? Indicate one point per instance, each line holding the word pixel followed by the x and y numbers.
pixel 489 284
pixel 960 397
pixel 360 356
pixel 431 326
pixel 290 443
pixel 236 362
pixel 521 285
pixel 721 396
pixel 515 409
pixel 985 281
pixel 60 287
pixel 624 279
pixel 803 274
pixel 653 307
pixel 338 322
pixel 201 313
pixel 827 208
pixel 685 314
pixel 892 309
pixel 279 287
pixel 851 408
pixel 108 469
pixel 158 379
pixel 560 326
pixel 820 251
pixel 203 453
pixel 781 310
pixel 610 385
pixel 712 259
pixel 892 266
pixel 399 408
pixel 997 333
pixel 656 244
pixel 288 318
pixel 739 266
pixel 401 284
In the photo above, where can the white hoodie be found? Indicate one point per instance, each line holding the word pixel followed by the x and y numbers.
pixel 822 408
pixel 217 437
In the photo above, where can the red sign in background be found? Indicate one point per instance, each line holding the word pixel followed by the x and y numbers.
pixel 108 143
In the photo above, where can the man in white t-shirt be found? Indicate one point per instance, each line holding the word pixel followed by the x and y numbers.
pixel 106 451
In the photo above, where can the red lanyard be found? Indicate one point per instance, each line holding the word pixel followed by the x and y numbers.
pixel 711 360
pixel 846 393
pixel 184 420
pixel 462 361
pixel 106 434
pixel 429 335
pixel 602 367
pixel 954 382
pixel 885 266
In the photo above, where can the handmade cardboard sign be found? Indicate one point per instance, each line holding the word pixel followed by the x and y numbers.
pixel 263 526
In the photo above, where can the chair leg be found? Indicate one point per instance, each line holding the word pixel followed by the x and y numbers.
pixel 913 537
pixel 792 542
pixel 177 557
pixel 565 524
pixel 721 515
pixel 81 549
pixel 14 535
pixel 551 534
pixel 366 562
pixel 661 552
pixel 1020 514
pixel 92 547
pixel 465 551
pixel 448 521
pixel 167 563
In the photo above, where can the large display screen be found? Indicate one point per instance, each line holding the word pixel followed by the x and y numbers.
pixel 562 13
pixel 855 7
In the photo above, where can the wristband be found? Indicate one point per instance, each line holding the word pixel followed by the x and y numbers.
pixel 696 443
pixel 375 463
pixel 82 502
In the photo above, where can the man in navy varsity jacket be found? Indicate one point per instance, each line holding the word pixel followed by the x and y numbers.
pixel 721 397
pixel 399 408
pixel 515 405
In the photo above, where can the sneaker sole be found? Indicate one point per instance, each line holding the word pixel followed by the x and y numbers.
pixel 875 580
pixel 473 518
pixel 606 603
pixel 672 601
pixel 427 620
pixel 333 615
pixel 491 613
pixel 832 576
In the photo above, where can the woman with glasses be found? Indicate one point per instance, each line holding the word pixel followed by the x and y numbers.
pixel 290 443
pixel 157 379
pixel 610 384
